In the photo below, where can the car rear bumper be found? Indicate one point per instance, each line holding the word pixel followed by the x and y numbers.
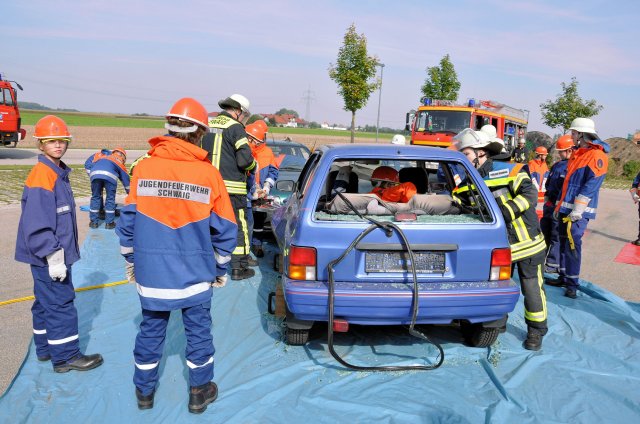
pixel 391 303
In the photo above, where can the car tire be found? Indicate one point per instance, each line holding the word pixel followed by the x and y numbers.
pixel 476 335
pixel 297 337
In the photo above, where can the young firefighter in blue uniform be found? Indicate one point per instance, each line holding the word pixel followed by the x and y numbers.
pixel 48 241
pixel 635 195
pixel 104 174
pixel 548 224
pixel 88 164
pixel 517 196
pixel 579 200
pixel 177 232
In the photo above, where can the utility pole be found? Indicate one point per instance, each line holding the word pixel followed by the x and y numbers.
pixel 308 97
pixel 381 65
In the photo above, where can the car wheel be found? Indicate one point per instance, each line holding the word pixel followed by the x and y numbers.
pixel 478 336
pixel 297 337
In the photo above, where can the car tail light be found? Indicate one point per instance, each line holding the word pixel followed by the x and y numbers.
pixel 302 263
pixel 340 325
pixel 500 264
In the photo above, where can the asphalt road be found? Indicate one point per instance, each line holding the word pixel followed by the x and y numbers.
pixel 616 225
pixel 10 156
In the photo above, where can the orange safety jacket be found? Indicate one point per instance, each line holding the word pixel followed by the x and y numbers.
pixel 401 193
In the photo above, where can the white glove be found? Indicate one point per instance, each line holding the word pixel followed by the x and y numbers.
pixel 266 188
pixel 580 204
pixel 57 268
pixel 221 281
pixel 634 195
pixel 129 272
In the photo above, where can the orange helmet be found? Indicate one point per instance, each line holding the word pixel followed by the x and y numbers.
pixel 565 142
pixel 51 126
pixel 385 173
pixel 121 150
pixel 256 131
pixel 541 150
pixel 189 110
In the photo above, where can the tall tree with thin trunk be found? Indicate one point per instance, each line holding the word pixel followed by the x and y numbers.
pixel 353 72
pixel 442 81
pixel 568 106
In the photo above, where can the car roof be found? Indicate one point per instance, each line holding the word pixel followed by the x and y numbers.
pixel 368 150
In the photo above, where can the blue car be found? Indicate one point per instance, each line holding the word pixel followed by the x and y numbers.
pixel 442 257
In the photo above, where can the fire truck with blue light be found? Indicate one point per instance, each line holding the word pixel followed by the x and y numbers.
pixel 10 121
pixel 437 121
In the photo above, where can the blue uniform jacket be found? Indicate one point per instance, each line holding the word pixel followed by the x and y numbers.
pixel 554 186
pixel 88 164
pixel 48 220
pixel 108 168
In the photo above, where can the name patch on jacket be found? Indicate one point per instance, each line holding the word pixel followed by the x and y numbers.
pixel 499 174
pixel 173 190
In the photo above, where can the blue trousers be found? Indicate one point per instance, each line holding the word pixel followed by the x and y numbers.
pixel 258 228
pixel 97 185
pixel 55 319
pixel 571 258
pixel 551 231
pixel 150 342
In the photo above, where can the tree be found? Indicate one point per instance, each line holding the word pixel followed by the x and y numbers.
pixel 352 72
pixel 285 111
pixel 567 106
pixel 442 81
pixel 253 118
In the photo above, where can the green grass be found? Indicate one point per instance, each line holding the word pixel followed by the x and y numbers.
pixel 95 119
pixel 326 132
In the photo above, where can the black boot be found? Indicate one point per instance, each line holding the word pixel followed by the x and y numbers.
pixel 534 340
pixel 554 282
pixel 94 224
pixel 258 251
pixel 145 402
pixel 201 396
pixel 80 363
pixel 571 293
pixel 242 273
pixel 110 226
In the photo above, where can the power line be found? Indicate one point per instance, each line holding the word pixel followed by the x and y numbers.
pixel 308 97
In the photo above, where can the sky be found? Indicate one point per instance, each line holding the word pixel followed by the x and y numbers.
pixel 140 56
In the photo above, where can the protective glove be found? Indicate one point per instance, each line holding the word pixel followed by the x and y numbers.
pixel 266 188
pixel 634 195
pixel 221 281
pixel 580 204
pixel 129 272
pixel 57 268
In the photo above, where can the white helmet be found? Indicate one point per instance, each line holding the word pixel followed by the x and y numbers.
pixel 584 125
pixel 476 140
pixel 398 139
pixel 236 101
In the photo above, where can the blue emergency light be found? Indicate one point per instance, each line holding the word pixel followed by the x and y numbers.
pixel 472 102
pixel 426 101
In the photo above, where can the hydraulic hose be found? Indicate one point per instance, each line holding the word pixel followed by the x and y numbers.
pixel 388 227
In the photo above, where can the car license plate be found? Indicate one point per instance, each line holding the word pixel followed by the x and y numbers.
pixel 426 262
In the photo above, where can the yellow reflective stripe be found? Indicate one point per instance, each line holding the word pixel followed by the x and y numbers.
pixel 535 316
pixel 524 249
pixel 521 203
pixel 508 208
pixel 572 243
pixel 217 149
pixel 542 315
pixel 496 182
pixel 235 184
pixel 518 181
pixel 241 142
pixel 253 165
pixel 521 229
pixel 221 121
pixel 242 250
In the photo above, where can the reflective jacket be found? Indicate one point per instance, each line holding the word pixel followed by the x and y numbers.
pixel 516 195
pixel 110 169
pixel 586 171
pixel 400 193
pixel 179 225
pixel 48 220
pixel 539 172
pixel 267 167
pixel 88 164
pixel 554 186
pixel 229 151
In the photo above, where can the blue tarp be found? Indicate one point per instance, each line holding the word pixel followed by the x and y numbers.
pixel 587 371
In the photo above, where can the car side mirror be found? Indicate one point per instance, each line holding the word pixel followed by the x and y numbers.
pixel 285 185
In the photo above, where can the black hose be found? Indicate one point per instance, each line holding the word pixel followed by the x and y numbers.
pixel 388 227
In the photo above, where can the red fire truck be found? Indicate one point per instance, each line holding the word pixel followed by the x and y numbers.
pixel 10 131
pixel 437 121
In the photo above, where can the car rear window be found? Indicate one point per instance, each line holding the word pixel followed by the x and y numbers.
pixel 437 191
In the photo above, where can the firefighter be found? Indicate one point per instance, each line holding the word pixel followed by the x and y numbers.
pixel 265 179
pixel 176 220
pixel 519 154
pixel 399 139
pixel 48 242
pixel 88 164
pixel 539 172
pixel 503 155
pixel 635 196
pixel 579 199
pixel 553 188
pixel 104 174
pixel 387 185
pixel 229 151
pixel 516 196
